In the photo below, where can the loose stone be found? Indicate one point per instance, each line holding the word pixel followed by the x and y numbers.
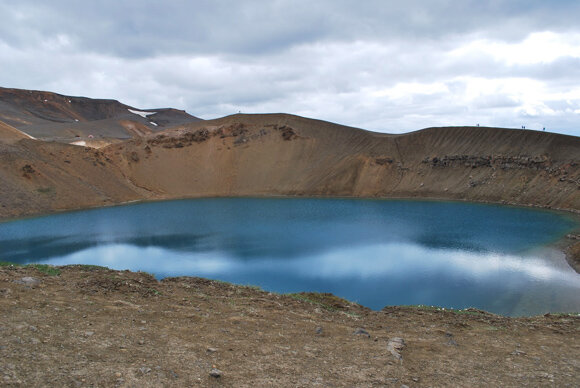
pixel 215 373
pixel 144 370
pixel 28 281
pixel 361 331
pixel 395 345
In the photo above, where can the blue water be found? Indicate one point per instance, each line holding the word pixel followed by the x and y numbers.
pixel 374 252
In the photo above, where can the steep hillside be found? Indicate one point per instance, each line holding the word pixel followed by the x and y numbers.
pixel 289 155
pixel 52 116
pixel 9 133
pixel 41 177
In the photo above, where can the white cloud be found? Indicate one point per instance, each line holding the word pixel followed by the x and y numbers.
pixel 393 68
pixel 538 47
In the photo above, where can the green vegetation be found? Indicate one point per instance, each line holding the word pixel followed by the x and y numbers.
pixel 466 311
pixel 564 315
pixel 217 281
pixel 477 312
pixel 327 301
pixel 44 268
pixel 424 307
pixel 91 267
pixel 45 190
pixel 153 291
pixel 252 287
pixel 494 328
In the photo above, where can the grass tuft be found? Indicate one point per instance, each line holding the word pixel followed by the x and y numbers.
pixel 92 267
pixel 327 301
pixel 45 268
pixel 8 264
pixel 466 311
pixel 253 287
pixel 45 190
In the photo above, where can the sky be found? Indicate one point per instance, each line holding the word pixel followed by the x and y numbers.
pixel 387 66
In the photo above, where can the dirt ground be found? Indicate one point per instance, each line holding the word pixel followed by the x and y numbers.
pixel 83 326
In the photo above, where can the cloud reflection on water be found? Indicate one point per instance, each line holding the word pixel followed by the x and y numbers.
pixel 386 261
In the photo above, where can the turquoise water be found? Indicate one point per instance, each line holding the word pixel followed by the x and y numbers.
pixel 374 252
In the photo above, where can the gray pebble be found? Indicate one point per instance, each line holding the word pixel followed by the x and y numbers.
pixel 28 281
pixel 144 370
pixel 394 346
pixel 215 373
pixel 361 331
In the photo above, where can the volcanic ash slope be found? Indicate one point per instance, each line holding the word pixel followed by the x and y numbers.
pixel 288 155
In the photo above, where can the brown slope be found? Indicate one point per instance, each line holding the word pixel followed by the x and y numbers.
pixel 53 116
pixel 42 177
pixel 9 133
pixel 290 155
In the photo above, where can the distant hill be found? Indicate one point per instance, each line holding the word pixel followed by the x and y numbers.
pixel 52 116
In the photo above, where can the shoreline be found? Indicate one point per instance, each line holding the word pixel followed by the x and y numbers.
pixel 568 211
pixel 55 270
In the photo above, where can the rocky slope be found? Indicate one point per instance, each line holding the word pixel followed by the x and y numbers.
pixel 52 116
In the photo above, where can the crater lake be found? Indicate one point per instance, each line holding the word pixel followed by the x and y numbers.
pixel 373 252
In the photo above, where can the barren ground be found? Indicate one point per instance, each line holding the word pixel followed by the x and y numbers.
pixel 89 327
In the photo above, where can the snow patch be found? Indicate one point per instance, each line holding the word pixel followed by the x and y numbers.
pixel 141 113
pixel 153 122
pixel 26 134
pixel 79 143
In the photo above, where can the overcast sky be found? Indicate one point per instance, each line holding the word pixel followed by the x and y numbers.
pixel 389 66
